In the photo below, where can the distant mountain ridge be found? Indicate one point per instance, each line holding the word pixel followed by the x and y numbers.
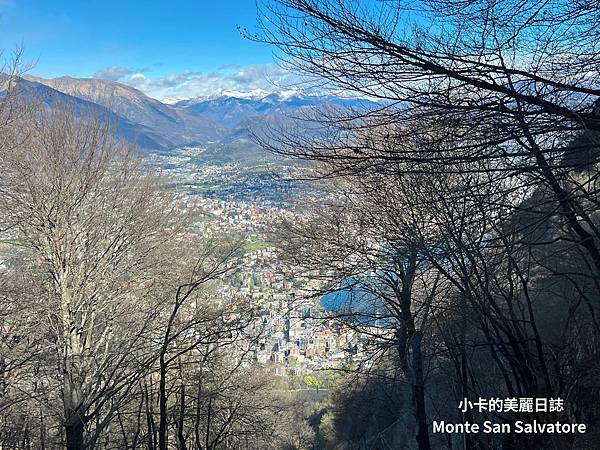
pixel 231 110
pixel 175 125
pixel 216 122
pixel 125 129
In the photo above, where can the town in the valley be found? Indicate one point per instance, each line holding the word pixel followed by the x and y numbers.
pixel 291 332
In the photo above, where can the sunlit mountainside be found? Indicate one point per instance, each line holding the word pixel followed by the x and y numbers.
pixel 221 123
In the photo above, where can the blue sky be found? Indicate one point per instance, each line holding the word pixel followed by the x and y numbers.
pixel 177 48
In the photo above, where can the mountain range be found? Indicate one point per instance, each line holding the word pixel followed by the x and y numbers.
pixel 220 123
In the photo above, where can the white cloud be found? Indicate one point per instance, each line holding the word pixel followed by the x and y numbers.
pixel 266 77
pixel 116 73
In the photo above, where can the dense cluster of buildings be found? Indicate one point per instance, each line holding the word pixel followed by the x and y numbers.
pixel 291 332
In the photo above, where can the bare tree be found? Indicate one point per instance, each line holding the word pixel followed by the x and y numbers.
pixel 96 226
pixel 511 83
pixel 452 265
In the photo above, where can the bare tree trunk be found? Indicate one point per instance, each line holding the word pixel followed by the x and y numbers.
pixel 198 411
pixel 162 404
pixel 74 434
pixel 180 423
pixel 138 419
pixel 419 392
pixel 149 419
pixel 208 422
pixel 409 348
